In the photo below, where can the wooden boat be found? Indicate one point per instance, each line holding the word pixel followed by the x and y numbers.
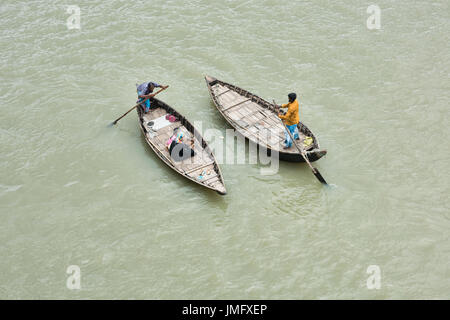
pixel 257 120
pixel 202 168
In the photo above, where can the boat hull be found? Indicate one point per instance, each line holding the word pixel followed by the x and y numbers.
pixel 189 170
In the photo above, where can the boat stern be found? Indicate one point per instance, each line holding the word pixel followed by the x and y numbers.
pixel 296 157
pixel 316 154
pixel 221 190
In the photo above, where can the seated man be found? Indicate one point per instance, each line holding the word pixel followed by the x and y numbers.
pixel 177 149
pixel 144 91
pixel 290 119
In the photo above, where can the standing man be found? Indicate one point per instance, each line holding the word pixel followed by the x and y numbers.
pixel 144 91
pixel 290 119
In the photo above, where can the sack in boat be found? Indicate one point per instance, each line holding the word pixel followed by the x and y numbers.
pixel 307 141
pixel 171 118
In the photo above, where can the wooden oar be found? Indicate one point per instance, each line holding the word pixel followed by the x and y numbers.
pixel 302 152
pixel 140 102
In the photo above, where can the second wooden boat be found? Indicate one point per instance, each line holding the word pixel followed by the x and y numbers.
pixel 257 120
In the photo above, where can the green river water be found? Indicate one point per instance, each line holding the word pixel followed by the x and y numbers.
pixel 75 192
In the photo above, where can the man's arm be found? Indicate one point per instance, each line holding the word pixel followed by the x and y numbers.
pixel 151 95
pixel 283 106
pixel 156 85
pixel 159 86
pixel 290 111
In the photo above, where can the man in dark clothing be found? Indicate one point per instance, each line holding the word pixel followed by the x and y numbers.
pixel 144 91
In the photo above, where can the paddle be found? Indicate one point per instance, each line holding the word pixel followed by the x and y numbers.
pixel 140 102
pixel 302 152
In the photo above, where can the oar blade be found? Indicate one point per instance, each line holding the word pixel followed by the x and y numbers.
pixel 319 176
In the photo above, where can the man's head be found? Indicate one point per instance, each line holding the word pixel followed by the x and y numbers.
pixel 292 97
pixel 150 87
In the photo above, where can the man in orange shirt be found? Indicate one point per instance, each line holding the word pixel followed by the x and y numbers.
pixel 290 119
